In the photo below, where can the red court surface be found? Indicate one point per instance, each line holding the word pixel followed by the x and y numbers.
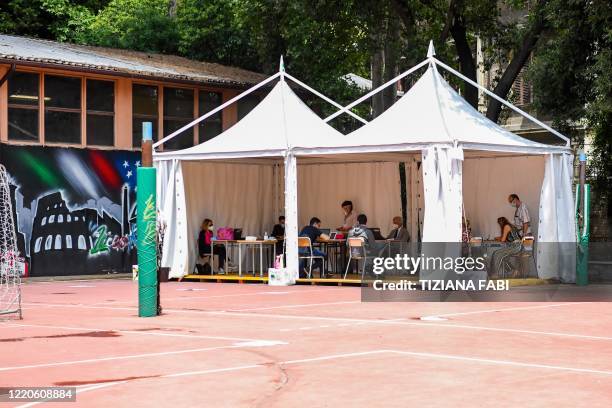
pixel 231 345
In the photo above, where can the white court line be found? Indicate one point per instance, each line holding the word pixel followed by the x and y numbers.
pixel 374 352
pixel 345 319
pixel 295 306
pixel 507 309
pixel 501 362
pixel 163 299
pixel 144 333
pixel 132 356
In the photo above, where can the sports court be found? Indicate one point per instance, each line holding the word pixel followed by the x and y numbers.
pixel 252 345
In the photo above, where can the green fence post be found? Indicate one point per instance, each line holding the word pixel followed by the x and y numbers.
pixel 582 258
pixel 146 222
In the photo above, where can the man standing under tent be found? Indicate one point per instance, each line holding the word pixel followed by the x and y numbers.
pixel 522 220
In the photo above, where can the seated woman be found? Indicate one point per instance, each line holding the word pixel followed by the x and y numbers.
pixel 204 242
pixel 499 259
pixel 509 233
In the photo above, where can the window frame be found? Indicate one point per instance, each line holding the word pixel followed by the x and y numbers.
pixel 121 140
pixel 101 113
pixel 160 109
pixel 81 111
pixel 28 107
pixel 197 112
pixel 194 112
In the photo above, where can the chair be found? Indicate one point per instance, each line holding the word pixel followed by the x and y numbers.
pixel 304 242
pixel 357 245
pixel 205 260
pixel 524 255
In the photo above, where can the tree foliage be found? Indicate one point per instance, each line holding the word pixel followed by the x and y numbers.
pixel 571 75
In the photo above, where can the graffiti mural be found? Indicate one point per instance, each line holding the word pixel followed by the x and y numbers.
pixel 75 209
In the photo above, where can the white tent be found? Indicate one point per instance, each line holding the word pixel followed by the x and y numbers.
pixel 237 174
pixel 430 123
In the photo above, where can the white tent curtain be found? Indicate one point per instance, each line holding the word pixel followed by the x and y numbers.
pixel 374 189
pixel 556 255
pixel 443 194
pixel 487 183
pixel 173 213
pixel 232 195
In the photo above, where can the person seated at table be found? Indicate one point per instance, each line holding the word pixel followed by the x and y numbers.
pixel 361 230
pixel 204 243
pixel 350 216
pixel 399 233
pixel 278 232
pixel 509 232
pixel 313 231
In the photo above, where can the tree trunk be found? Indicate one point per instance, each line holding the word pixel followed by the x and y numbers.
pixel 172 8
pixel 464 52
pixel 378 62
pixel 517 63
pixel 391 62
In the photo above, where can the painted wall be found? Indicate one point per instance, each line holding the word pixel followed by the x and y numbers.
pixel 75 208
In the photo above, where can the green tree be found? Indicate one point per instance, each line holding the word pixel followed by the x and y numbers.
pixel 52 19
pixel 143 25
pixel 214 31
pixel 571 76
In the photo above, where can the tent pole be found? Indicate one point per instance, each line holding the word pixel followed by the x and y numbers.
pixel 217 109
pixel 291 215
pixel 503 101
pixel 375 91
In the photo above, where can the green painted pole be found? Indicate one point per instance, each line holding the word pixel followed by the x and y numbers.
pixel 146 224
pixel 583 204
pixel 582 260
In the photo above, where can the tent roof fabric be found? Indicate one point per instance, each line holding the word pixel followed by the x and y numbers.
pixel 432 112
pixel 279 122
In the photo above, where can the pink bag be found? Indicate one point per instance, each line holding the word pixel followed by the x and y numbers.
pixel 225 233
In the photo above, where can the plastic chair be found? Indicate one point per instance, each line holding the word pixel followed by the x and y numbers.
pixel 357 245
pixel 304 242
pixel 524 255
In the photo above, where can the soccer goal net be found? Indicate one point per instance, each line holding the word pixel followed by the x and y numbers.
pixel 10 273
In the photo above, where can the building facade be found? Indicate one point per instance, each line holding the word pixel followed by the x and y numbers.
pixel 70 130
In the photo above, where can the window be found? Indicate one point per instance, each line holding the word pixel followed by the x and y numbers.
pixel 68 242
pixel 100 113
pixel 51 219
pixel 43 221
pixel 37 245
pixel 213 125
pixel 68 218
pixel 81 244
pixel 48 242
pixel 246 104
pixel 178 111
pixel 62 109
pixel 144 109
pixel 60 219
pixel 58 242
pixel 23 106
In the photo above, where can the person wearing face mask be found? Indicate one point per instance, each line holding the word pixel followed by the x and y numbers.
pixel 350 216
pixel 522 220
pixel 204 242
pixel 399 232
